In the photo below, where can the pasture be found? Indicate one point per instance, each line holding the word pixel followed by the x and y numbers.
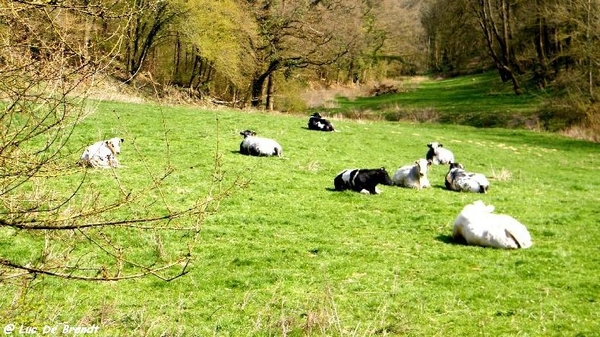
pixel 287 255
pixel 481 100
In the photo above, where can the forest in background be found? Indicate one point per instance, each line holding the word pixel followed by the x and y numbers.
pixel 249 52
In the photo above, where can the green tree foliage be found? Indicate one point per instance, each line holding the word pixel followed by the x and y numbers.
pixel 218 35
pixel 240 51
pixel 448 24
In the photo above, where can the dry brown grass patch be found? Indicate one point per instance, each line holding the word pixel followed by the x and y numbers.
pixel 501 174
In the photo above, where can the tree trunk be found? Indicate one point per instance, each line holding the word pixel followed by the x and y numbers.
pixel 177 57
pixel 143 36
pixel 257 88
pixel 259 82
pixel 89 21
pixel 590 60
pixel 541 48
pixel 195 65
pixel 270 85
pixel 508 75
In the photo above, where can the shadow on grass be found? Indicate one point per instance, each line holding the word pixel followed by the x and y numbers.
pixel 449 240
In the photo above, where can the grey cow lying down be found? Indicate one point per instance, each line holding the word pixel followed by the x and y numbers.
pixel 457 179
pixel 258 146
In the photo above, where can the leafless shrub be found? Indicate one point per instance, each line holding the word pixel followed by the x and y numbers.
pixel 383 89
pixel 71 228
pixel 325 97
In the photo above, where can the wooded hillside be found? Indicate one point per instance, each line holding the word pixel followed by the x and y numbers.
pixel 246 52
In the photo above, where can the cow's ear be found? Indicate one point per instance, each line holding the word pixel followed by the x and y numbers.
pixel 428 144
pixel 440 145
pixel 122 140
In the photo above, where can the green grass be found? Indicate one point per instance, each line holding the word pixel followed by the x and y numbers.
pixel 288 256
pixel 479 100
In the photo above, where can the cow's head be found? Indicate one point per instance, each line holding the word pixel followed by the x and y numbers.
pixel 422 166
pixel 383 177
pixel 114 144
pixel 434 145
pixel 247 133
pixel 480 206
pixel 456 165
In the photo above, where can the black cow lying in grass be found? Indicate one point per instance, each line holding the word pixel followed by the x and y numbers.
pixel 316 122
pixel 362 180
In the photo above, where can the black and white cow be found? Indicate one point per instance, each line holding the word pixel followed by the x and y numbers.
pixel 438 154
pixel 316 122
pixel 362 180
pixel 457 179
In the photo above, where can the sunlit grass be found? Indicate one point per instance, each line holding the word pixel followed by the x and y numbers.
pixel 478 100
pixel 289 256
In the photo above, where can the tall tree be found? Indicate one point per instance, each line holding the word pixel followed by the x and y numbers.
pixel 454 45
pixel 496 21
pixel 297 34
pixel 149 20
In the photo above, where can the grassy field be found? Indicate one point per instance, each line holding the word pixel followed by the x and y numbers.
pixel 288 256
pixel 476 100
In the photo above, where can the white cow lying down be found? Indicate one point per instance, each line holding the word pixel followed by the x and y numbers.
pixel 477 225
pixel 413 176
pixel 102 154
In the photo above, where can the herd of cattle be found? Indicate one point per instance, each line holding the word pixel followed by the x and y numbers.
pixel 476 224
pixel 366 180
pixel 414 175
